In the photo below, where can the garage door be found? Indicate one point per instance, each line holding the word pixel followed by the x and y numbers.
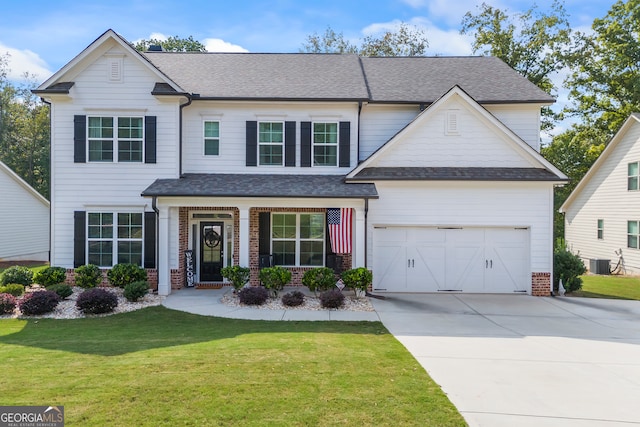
pixel 421 259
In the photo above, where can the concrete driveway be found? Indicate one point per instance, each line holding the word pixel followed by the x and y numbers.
pixel 516 360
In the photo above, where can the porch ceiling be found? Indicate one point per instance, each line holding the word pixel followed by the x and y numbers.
pixel 243 185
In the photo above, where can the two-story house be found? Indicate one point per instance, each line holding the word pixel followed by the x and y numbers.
pixel 425 170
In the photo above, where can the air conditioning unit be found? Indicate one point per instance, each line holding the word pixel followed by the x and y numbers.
pixel 599 266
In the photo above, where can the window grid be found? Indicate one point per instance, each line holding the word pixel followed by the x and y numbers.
pixel 121 240
pixel 633 176
pixel 298 239
pixel 633 232
pixel 600 229
pixel 271 143
pixel 211 138
pixel 130 139
pixel 106 133
pixel 325 144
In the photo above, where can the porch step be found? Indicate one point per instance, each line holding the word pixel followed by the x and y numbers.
pixel 209 285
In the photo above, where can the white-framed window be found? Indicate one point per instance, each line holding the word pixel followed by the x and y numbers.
pixel 633 176
pixel 115 139
pixel 211 138
pixel 298 239
pixel 600 229
pixel 271 143
pixel 633 232
pixel 114 238
pixel 325 144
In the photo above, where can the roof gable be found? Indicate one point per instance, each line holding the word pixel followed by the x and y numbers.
pixel 632 121
pixel 5 170
pixel 422 142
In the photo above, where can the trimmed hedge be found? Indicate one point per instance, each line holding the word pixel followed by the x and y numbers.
pixel 7 303
pixel 332 299
pixel 17 274
pixel 14 289
pixel 96 301
pixel 88 276
pixel 63 290
pixel 123 274
pixel 39 302
pixel 50 276
pixel 136 290
pixel 253 295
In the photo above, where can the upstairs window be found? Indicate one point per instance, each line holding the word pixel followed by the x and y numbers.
pixel 271 143
pixel 115 139
pixel 211 138
pixel 325 144
pixel 633 172
pixel 600 229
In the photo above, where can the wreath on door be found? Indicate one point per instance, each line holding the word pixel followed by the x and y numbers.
pixel 211 238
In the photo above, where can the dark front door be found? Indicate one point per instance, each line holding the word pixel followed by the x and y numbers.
pixel 211 251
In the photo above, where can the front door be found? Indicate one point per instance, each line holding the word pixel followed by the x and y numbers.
pixel 211 251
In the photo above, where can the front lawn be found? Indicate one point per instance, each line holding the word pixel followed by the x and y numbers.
pixel 162 367
pixel 621 287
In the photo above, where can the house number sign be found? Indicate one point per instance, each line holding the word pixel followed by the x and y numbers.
pixel 189 268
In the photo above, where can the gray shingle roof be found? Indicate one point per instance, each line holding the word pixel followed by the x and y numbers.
pixel 62 87
pixel 264 75
pixel 425 79
pixel 454 174
pixel 243 185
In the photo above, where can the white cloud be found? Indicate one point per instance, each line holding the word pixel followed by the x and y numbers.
pixel 219 45
pixel 24 61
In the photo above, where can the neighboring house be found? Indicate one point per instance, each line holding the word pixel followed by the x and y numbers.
pixel 221 159
pixel 24 220
pixel 602 214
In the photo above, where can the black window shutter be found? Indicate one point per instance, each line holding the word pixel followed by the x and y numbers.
pixel 79 238
pixel 252 143
pixel 264 233
pixel 305 144
pixel 79 139
pixel 345 144
pixel 150 139
pixel 289 143
pixel 149 240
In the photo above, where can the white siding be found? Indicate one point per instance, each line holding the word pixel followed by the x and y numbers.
pixel 83 186
pixel 605 197
pixel 524 120
pixel 378 123
pixel 233 117
pixel 24 221
pixel 488 204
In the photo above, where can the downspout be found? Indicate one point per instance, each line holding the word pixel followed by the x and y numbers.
pixel 358 141
pixel 154 206
pixel 189 99
pixel 50 176
pixel 366 228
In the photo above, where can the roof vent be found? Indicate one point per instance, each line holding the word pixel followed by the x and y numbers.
pixel 452 123
pixel 155 48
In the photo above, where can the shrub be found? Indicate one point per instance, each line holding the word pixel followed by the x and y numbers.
pixel 50 276
pixel 123 274
pixel 12 288
pixel 293 299
pixel 96 301
pixel 319 279
pixel 39 302
pixel 274 278
pixel 253 295
pixel 17 274
pixel 136 290
pixel 88 276
pixel 567 266
pixel 7 303
pixel 332 299
pixel 238 276
pixel 358 278
pixel 63 290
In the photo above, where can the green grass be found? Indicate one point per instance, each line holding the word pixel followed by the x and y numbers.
pixel 35 267
pixel 162 367
pixel 619 287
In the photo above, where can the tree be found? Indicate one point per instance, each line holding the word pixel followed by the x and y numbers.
pixel 605 79
pixel 405 41
pixel 532 43
pixel 172 44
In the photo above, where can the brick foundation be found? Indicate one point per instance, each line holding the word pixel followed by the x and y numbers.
pixel 540 284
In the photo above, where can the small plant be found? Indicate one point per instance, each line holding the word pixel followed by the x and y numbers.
pixel 50 276
pixel 17 274
pixel 7 303
pixel 319 279
pixel 123 274
pixel 238 276
pixel 567 266
pixel 63 290
pixel 96 301
pixel 358 279
pixel 293 299
pixel 136 290
pixel 39 302
pixel 274 278
pixel 88 276
pixel 253 295
pixel 12 288
pixel 332 299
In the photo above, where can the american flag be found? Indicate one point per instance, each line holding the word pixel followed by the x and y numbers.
pixel 339 222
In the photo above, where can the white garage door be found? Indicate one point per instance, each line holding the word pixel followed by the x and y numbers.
pixel 421 259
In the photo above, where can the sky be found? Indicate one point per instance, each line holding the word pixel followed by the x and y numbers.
pixel 41 36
